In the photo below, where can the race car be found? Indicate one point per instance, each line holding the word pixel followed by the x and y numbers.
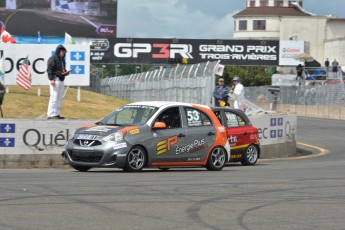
pixel 151 134
pixel 242 135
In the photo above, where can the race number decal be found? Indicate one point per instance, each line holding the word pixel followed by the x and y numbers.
pixel 193 117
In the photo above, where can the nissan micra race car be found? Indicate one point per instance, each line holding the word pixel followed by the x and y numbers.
pixel 242 135
pixel 151 134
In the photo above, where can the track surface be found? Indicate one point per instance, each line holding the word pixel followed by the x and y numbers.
pixel 29 22
pixel 291 194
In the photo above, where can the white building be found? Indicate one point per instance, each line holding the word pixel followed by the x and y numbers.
pixel 324 36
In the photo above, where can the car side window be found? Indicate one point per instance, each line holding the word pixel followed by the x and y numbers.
pixel 219 116
pixel 196 118
pixel 171 117
pixel 234 120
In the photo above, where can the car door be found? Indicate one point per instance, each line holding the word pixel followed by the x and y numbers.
pixel 165 141
pixel 201 135
pixel 238 135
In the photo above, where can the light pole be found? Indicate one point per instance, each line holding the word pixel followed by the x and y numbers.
pixel 103 66
pixel 136 69
pixel 116 66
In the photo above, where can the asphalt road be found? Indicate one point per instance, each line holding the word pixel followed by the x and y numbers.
pixel 285 194
pixel 29 22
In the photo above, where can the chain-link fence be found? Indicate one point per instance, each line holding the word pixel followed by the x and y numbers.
pixel 330 92
pixel 195 84
pixel 182 83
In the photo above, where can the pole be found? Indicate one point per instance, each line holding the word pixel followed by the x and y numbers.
pixel 78 94
pixel 39 91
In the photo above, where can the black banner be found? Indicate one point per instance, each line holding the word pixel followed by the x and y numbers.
pixel 159 51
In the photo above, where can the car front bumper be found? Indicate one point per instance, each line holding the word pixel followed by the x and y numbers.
pixel 105 155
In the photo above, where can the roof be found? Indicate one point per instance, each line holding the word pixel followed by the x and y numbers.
pixel 271 11
pixel 160 103
pixel 165 104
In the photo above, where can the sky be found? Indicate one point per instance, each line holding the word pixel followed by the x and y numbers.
pixel 194 19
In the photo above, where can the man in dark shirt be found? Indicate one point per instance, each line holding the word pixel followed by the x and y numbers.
pixel 56 74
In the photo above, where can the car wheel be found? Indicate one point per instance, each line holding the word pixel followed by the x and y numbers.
pixel 216 160
pixel 81 168
pixel 136 159
pixel 251 155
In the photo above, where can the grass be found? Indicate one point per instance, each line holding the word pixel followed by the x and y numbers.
pixel 26 104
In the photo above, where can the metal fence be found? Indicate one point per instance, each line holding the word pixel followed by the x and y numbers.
pixel 329 92
pixel 182 83
pixel 195 83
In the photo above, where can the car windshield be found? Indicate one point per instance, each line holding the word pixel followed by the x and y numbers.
pixel 129 115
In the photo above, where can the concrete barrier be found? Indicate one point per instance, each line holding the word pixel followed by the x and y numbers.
pixel 317 111
pixel 35 143
pixel 38 143
pixel 277 134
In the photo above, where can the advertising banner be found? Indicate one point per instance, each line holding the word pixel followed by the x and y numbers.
pixel 77 57
pixel 25 136
pixel 275 128
pixel 229 52
pixel 288 51
pixel 285 80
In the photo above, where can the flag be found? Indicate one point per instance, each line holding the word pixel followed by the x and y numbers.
pixel 39 39
pixel 6 37
pixel 2 70
pixel 69 39
pixel 24 75
pixel 219 70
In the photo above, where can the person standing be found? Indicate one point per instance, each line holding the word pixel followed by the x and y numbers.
pixel 299 70
pixel 327 63
pixel 56 73
pixel 335 65
pixel 220 94
pixel 238 90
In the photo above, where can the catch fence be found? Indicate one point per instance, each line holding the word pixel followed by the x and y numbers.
pixel 182 83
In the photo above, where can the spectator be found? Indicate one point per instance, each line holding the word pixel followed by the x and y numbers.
pixel 327 63
pixel 335 65
pixel 56 74
pixel 299 69
pixel 220 94
pixel 238 90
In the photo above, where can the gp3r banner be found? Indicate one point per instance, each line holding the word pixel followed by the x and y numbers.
pixel 229 52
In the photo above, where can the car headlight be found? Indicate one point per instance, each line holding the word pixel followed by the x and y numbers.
pixel 115 137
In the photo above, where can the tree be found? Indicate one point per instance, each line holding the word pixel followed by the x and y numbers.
pixel 250 76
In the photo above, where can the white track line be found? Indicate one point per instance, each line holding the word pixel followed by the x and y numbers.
pixel 88 21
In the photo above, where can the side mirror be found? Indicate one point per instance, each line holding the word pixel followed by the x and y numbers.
pixel 159 125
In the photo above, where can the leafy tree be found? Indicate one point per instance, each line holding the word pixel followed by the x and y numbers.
pixel 250 76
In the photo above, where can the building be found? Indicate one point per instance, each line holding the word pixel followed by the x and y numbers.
pixel 324 36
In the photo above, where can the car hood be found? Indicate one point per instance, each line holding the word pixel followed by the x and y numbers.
pixel 101 130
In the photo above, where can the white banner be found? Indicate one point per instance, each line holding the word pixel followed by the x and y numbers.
pixel 288 51
pixel 275 128
pixel 285 80
pixel 77 57
pixel 33 136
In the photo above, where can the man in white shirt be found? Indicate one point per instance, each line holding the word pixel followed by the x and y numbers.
pixel 239 91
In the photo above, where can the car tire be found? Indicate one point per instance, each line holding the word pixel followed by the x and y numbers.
pixel 251 155
pixel 81 168
pixel 217 159
pixel 136 159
